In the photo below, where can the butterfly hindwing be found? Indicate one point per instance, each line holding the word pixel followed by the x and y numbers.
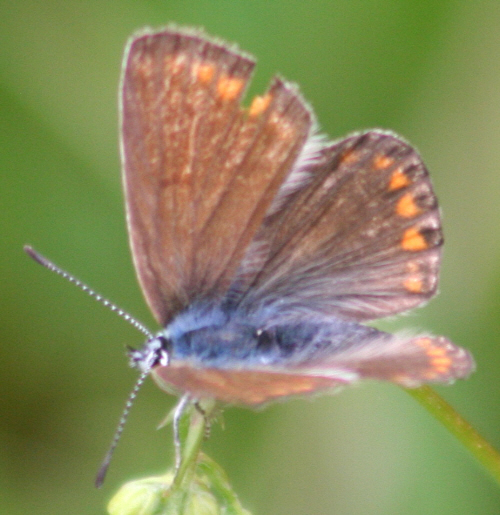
pixel 359 239
pixel 407 361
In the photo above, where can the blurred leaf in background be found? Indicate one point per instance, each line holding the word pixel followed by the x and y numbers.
pixel 427 70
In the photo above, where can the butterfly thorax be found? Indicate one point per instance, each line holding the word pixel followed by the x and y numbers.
pixel 251 358
pixel 215 337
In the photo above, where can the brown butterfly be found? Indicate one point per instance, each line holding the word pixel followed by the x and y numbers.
pixel 260 246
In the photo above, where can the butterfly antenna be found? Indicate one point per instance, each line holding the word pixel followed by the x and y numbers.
pixel 103 469
pixel 113 307
pixel 89 291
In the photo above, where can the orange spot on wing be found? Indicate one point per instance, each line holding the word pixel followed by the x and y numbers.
pixel 414 285
pixel 436 352
pixel 440 362
pixel 259 105
pixel 441 365
pixel 406 206
pixel 380 162
pixel 413 240
pixel 229 88
pixel 398 180
pixel 204 72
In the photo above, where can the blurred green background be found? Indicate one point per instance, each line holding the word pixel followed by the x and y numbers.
pixel 427 70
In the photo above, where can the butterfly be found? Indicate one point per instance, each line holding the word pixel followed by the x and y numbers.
pixel 261 247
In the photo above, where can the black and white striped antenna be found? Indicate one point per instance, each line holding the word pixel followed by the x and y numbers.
pixel 87 289
pixel 101 474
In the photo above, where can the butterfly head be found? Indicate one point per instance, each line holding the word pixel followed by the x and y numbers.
pixel 156 351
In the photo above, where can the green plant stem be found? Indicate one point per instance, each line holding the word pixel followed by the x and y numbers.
pixel 480 448
pixel 191 444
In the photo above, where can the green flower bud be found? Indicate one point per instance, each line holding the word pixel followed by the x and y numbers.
pixel 205 491
pixel 141 497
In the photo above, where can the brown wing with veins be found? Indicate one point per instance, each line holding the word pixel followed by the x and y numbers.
pixel 361 239
pixel 199 171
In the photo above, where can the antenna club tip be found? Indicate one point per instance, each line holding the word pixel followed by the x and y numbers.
pixel 29 250
pixel 32 253
pixel 99 480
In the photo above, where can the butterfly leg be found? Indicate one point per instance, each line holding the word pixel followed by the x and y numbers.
pixel 207 417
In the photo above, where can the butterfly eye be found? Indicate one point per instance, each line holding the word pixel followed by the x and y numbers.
pixel 163 353
pixel 265 340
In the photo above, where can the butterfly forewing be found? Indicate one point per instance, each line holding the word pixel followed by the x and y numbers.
pixel 360 239
pixel 199 171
